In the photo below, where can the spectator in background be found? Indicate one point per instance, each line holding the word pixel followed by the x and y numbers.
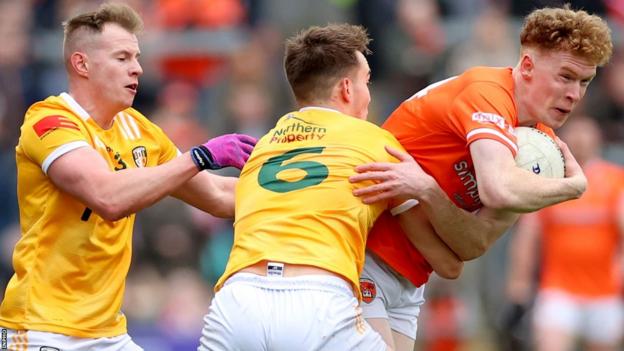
pixel 491 43
pixel 16 88
pixel 608 104
pixel 250 109
pixel 579 250
pixel 176 114
pixel 195 61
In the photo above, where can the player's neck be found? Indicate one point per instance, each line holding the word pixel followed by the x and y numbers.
pixel 102 114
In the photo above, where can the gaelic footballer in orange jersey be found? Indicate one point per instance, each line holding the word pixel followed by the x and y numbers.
pixel 582 235
pixel 460 131
pixel 65 270
pixel 477 104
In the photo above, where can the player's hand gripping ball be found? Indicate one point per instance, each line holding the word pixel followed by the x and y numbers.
pixel 539 153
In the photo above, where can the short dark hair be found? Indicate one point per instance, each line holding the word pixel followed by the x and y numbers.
pixel 565 29
pixel 316 58
pixel 93 22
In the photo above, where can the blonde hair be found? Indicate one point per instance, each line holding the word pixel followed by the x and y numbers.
pixel 93 23
pixel 564 29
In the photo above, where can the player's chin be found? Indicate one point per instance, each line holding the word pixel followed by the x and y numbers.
pixel 557 119
pixel 127 102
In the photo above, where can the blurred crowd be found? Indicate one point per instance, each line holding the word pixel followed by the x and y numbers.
pixel 215 66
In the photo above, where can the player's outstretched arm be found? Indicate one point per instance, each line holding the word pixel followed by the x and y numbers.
pixel 114 195
pixel 468 235
pixel 504 186
pixel 210 193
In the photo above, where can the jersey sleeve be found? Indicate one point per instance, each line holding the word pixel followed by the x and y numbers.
pixel 169 149
pixel 387 139
pixel 484 110
pixel 47 135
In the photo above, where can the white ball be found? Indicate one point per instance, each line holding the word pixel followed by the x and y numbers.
pixel 539 153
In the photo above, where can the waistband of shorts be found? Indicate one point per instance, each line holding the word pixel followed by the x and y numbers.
pixel 381 264
pixel 317 282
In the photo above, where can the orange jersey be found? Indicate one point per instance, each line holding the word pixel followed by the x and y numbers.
pixel 580 238
pixel 436 126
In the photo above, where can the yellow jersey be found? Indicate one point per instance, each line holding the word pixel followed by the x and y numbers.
pixel 70 264
pixel 294 202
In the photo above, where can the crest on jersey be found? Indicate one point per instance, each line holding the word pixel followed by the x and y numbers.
pixel 368 289
pixel 139 154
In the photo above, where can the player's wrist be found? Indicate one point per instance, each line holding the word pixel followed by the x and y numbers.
pixel 430 192
pixel 578 184
pixel 203 158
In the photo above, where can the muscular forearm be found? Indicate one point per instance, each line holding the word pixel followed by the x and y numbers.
pixel 522 191
pixel 128 191
pixel 114 195
pixel 468 234
pixel 504 186
pixel 422 235
pixel 210 193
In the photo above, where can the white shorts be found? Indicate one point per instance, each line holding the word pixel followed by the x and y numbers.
pixel 31 340
pixel 313 312
pixel 390 296
pixel 599 320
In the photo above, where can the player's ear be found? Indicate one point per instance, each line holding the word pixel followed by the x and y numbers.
pixel 345 87
pixel 79 63
pixel 527 65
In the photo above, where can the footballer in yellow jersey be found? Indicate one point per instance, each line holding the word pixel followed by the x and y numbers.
pixel 65 290
pixel 294 202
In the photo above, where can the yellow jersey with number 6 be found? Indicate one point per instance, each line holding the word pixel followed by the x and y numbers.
pixel 294 202
pixel 70 264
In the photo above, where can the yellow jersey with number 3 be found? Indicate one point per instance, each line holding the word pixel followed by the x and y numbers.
pixel 294 202
pixel 70 264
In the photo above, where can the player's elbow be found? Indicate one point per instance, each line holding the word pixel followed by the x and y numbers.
pixel 222 211
pixel 111 214
pixel 451 269
pixel 477 249
pixel 110 210
pixel 497 198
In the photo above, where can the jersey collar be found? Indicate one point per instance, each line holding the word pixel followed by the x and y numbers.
pixel 307 108
pixel 75 106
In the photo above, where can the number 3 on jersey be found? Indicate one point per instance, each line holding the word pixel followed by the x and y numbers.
pixel 316 172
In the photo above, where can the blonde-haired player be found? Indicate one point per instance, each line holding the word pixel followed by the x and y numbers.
pixel 86 163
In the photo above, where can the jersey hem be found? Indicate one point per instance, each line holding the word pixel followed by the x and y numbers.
pixel 353 283
pixel 78 333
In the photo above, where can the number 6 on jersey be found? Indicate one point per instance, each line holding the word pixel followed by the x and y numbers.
pixel 316 172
